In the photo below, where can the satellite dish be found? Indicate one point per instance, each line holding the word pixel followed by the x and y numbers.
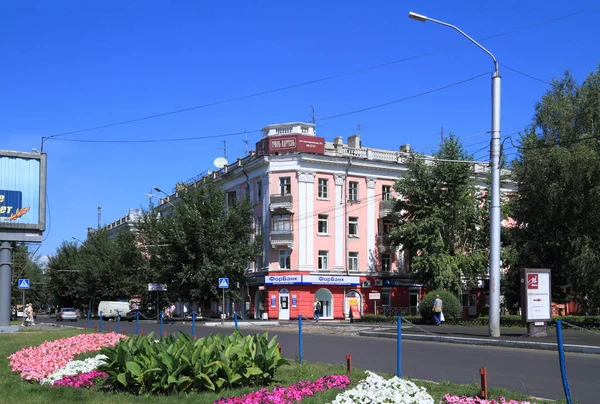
pixel 220 162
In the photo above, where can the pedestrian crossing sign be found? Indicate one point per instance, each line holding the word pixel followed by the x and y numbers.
pixel 223 283
pixel 23 283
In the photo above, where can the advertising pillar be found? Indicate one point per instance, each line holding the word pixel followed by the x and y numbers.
pixel 536 300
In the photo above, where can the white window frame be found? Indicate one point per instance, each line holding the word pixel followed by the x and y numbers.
pixel 282 223
pixel 386 192
pixel 386 260
pixel 259 226
pixel 323 260
pixel 353 221
pixel 323 191
pixel 285 257
pixel 285 185
pixel 353 191
pixel 352 261
pixel 323 220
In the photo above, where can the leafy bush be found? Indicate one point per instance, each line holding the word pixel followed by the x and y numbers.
pixel 176 363
pixel 450 303
pixel 377 318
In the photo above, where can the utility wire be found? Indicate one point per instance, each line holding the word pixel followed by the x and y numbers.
pixel 258 130
pixel 331 77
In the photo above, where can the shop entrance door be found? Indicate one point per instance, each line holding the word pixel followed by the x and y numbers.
pixel 284 304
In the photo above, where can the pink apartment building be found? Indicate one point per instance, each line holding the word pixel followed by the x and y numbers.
pixel 323 211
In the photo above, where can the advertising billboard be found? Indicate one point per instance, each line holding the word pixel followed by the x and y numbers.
pixel 536 295
pixel 22 196
pixel 291 143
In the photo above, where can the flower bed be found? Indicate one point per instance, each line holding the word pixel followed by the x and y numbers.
pixel 75 368
pixel 37 363
pixel 81 379
pixel 448 399
pixel 290 394
pixel 376 389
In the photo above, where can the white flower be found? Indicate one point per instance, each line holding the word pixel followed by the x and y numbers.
pixel 375 389
pixel 75 367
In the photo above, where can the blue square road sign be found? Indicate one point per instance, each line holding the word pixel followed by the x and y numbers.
pixel 23 283
pixel 223 283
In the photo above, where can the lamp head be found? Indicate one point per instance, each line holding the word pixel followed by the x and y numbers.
pixel 417 17
pixel 157 189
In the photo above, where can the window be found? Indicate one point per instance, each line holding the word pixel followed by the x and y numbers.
pixel 353 191
pixel 386 225
pixel 282 223
pixel 259 191
pixel 386 298
pixel 231 197
pixel 352 261
pixel 353 226
pixel 259 225
pixel 285 185
pixel 284 259
pixel 386 192
pixel 323 260
pixel 247 194
pixel 304 129
pixel 323 224
pixel 386 262
pixel 323 188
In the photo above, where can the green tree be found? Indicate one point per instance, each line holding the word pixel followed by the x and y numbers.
pixel 25 266
pixel 199 241
pixel 558 177
pixel 439 220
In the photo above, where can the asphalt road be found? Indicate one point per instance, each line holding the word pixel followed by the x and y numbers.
pixel 534 372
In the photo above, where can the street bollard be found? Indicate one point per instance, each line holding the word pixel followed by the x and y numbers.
pixel 483 394
pixel 143 333
pixel 84 327
pixel 300 336
pixel 117 326
pixel 348 363
pixel 561 360
pixel 399 349
pixel 88 318
pixel 235 320
pixel 161 323
pixel 137 323
pixel 124 331
pixel 100 321
pixel 279 348
pixel 194 324
pixel 96 328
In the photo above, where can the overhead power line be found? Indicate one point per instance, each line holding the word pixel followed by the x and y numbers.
pixel 258 130
pixel 305 83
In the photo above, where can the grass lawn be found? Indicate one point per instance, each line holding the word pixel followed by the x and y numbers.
pixel 13 390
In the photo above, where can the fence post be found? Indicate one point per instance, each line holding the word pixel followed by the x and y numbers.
pixel 561 359
pixel 194 324
pixel 399 348
pixel 88 318
pixel 161 323
pixel 118 319
pixel 235 320
pixel 300 336
pixel 100 320
pixel 137 323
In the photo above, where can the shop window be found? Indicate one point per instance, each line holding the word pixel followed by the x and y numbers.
pixel 386 298
pixel 322 225
pixel 353 226
pixel 323 188
pixel 284 259
pixel 386 262
pixel 353 191
pixel 282 223
pixel 285 185
pixel 323 260
pixel 353 261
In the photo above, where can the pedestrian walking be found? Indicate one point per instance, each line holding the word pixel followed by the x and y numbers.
pixel 316 309
pixel 437 310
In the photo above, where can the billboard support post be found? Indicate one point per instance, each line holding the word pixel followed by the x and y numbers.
pixel 5 278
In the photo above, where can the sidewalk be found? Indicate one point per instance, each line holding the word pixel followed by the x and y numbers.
pixel 573 340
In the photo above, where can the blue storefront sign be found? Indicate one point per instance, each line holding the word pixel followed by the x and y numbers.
pixel 283 280
pixel 330 280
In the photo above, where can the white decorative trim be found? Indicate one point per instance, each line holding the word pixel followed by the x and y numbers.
pixel 371 182
pixel 306 176
pixel 339 179
pixel 371 224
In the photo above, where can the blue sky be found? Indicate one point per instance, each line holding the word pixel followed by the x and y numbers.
pixel 66 68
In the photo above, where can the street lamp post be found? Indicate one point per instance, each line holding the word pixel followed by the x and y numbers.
pixel 162 199
pixel 494 321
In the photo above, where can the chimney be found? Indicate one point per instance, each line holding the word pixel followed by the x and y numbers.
pixel 90 231
pixel 405 148
pixel 354 141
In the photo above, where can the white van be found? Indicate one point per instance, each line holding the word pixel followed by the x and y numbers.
pixel 110 309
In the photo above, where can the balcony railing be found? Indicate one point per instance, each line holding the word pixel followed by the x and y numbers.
pixel 386 207
pixel 285 202
pixel 282 239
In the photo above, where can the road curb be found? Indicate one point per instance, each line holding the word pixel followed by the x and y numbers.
pixel 483 341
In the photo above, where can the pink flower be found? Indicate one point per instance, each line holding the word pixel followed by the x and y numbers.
pixel 80 380
pixel 448 399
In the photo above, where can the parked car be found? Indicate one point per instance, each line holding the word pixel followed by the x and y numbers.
pixel 67 313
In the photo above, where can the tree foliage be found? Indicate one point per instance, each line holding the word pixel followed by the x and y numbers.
pixel 199 240
pixel 558 177
pixel 27 267
pixel 438 218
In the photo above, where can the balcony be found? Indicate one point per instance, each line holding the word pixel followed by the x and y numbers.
pixel 383 244
pixel 281 202
pixel 386 207
pixel 282 239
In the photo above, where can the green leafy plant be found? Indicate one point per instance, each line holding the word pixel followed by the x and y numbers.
pixel 142 365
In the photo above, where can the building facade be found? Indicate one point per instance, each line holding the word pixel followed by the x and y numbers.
pixel 323 211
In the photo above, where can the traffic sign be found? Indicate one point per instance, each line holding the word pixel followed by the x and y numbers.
pixel 23 283
pixel 224 283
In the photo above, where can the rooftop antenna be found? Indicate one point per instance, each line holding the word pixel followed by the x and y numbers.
pixel 99 216
pixel 245 141
pixel 313 118
pixel 224 148
pixel 358 128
